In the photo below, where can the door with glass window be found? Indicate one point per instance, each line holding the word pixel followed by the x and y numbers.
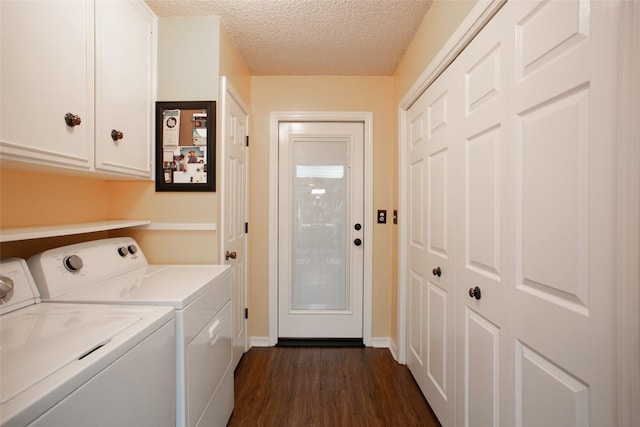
pixel 320 242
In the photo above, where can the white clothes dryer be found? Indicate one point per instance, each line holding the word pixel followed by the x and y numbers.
pixel 82 364
pixel 199 294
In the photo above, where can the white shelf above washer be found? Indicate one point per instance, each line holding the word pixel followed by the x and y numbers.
pixel 27 233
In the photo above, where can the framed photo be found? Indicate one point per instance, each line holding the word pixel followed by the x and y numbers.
pixel 186 146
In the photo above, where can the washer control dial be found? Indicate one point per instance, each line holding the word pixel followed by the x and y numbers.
pixel 132 249
pixel 122 251
pixel 6 289
pixel 73 263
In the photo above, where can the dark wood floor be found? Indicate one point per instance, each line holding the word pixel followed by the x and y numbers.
pixel 314 386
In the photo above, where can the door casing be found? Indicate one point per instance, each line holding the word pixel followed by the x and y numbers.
pixel 330 116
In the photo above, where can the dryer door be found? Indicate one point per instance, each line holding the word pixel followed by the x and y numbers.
pixel 208 359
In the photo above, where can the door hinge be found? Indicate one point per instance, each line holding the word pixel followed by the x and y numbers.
pixel 246 313
pixel 246 228
pixel 247 140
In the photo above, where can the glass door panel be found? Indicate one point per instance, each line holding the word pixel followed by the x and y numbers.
pixel 320 253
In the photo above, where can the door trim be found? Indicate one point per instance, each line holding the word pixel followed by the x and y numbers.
pixel 287 116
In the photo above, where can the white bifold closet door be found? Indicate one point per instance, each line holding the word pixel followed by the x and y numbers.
pixel 512 182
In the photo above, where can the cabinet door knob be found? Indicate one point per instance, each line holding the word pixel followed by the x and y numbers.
pixel 231 255
pixel 72 120
pixel 357 242
pixel 475 293
pixel 437 272
pixel 116 135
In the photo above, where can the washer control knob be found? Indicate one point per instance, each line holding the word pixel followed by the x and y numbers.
pixel 73 263
pixel 6 289
pixel 122 251
pixel 132 249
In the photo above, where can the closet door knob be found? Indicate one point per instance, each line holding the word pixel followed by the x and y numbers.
pixel 72 120
pixel 437 272
pixel 116 135
pixel 357 242
pixel 475 293
pixel 232 255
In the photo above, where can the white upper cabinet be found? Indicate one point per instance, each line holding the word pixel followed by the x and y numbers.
pixel 53 111
pixel 125 82
pixel 47 72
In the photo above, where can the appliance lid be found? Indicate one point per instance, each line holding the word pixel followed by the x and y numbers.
pixel 176 286
pixel 42 339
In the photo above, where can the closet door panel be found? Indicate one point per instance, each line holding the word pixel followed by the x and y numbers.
pixel 481 370
pixel 483 197
pixel 444 108
pixel 417 246
pixel 431 179
pixel 482 270
pixel 562 304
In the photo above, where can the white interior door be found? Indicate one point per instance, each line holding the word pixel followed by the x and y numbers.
pixel 320 245
pixel 234 217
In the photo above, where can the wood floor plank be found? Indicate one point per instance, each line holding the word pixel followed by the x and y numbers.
pixel 318 386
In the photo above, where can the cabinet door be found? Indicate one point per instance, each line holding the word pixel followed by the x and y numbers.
pixel 125 58
pixel 46 72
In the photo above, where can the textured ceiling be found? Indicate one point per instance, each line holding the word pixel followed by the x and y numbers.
pixel 311 37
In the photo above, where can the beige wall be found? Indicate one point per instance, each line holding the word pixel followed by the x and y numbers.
pixel 138 200
pixel 316 93
pixel 188 58
pixel 440 22
pixel 233 67
pixel 33 199
pixel 29 198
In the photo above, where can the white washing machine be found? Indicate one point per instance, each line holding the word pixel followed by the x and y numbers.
pixel 82 364
pixel 199 294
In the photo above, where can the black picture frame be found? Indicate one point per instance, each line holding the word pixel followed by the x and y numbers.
pixel 185 146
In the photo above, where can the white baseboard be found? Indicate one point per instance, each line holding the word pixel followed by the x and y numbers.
pixel 259 342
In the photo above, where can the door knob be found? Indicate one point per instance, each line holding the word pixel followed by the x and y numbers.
pixel 72 120
pixel 231 255
pixel 475 293
pixel 116 134
pixel 357 242
pixel 437 272
pixel 358 226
